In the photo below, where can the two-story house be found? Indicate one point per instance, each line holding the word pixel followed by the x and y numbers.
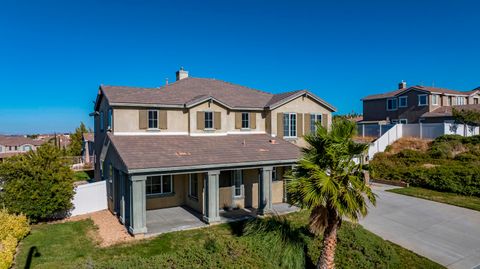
pixel 417 104
pixel 14 145
pixel 199 143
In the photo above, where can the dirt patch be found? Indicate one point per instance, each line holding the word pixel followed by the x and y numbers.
pixel 429 165
pixel 409 143
pixel 109 230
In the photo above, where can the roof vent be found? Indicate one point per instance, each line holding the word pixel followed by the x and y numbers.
pixel 181 74
pixel 402 85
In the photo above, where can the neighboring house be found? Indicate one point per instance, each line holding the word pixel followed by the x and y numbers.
pixel 88 148
pixel 14 145
pixel 417 104
pixel 201 143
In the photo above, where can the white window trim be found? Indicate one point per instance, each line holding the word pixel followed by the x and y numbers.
pixel 406 101
pixel 457 98
pixel 396 104
pixel 235 174
pixel 109 119
pixel 435 97
pixel 289 124
pixel 161 185
pixel 403 121
pixel 205 120
pixel 248 121
pixel 148 119
pixel 426 98
pixel 315 116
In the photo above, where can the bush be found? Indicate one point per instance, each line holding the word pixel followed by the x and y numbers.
pixel 12 229
pixel 37 184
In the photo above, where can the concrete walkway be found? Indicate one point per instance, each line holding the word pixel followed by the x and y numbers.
pixel 446 234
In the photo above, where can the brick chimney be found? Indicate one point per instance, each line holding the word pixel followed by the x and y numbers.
pixel 401 85
pixel 181 74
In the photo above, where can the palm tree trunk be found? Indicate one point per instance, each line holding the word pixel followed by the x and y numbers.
pixel 326 260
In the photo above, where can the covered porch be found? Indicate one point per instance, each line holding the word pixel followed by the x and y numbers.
pixel 169 201
pixel 181 218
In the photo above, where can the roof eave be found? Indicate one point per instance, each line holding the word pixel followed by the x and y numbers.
pixel 211 166
pixel 296 95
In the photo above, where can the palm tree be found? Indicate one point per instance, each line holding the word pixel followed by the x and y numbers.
pixel 330 184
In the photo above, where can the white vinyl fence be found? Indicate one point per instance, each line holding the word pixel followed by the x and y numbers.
pixel 387 134
pixel 89 198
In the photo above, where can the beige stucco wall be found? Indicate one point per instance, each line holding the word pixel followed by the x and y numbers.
pixel 260 122
pixel 225 197
pixel 127 120
pixel 302 105
pixel 208 106
pixel 177 199
pixel 250 182
pixel 277 191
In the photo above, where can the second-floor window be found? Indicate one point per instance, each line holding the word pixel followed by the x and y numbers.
pixel 314 119
pixel 475 101
pixel 153 119
pixel 423 100
pixel 289 125
pixel 403 101
pixel 460 100
pixel 435 100
pixel 208 120
pixel 392 104
pixel 245 120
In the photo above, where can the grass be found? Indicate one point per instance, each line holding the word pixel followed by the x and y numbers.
pixel 70 245
pixel 470 202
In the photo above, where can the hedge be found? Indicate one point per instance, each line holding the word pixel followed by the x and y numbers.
pixel 12 229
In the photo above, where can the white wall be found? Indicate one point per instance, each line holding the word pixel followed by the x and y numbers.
pixel 90 198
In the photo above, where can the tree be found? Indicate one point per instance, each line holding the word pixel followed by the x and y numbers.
pixel 38 184
pixel 75 148
pixel 330 184
pixel 466 116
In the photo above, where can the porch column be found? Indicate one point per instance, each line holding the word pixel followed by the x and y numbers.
pixel 138 207
pixel 212 197
pixel 265 190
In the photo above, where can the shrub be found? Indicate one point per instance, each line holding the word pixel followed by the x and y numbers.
pixel 37 184
pixel 12 229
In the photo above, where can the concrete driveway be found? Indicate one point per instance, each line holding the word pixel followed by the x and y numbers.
pixel 446 234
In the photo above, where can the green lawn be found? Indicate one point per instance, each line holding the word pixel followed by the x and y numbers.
pixel 471 202
pixel 69 245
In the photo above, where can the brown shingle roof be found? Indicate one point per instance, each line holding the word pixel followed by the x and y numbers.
pixel 148 152
pixel 186 90
pixel 446 111
pixel 422 88
pixel 189 91
pixel 18 141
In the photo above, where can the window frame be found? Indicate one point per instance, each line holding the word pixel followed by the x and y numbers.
pixel 395 102
pixel 462 102
pixel 191 193
pixel 400 102
pixel 435 99
pixel 109 119
pixel 419 100
pixel 274 174
pixel 291 133
pixel 153 119
pixel 313 123
pixel 403 121
pixel 161 193
pixel 212 127
pixel 247 120
pixel 237 177
pixel 110 180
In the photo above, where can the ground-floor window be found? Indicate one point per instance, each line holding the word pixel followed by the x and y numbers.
pixel 238 182
pixel 159 185
pixel 193 185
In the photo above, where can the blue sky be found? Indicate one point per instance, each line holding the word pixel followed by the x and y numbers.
pixel 55 54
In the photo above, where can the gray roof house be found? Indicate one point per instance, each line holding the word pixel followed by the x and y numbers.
pixel 202 144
